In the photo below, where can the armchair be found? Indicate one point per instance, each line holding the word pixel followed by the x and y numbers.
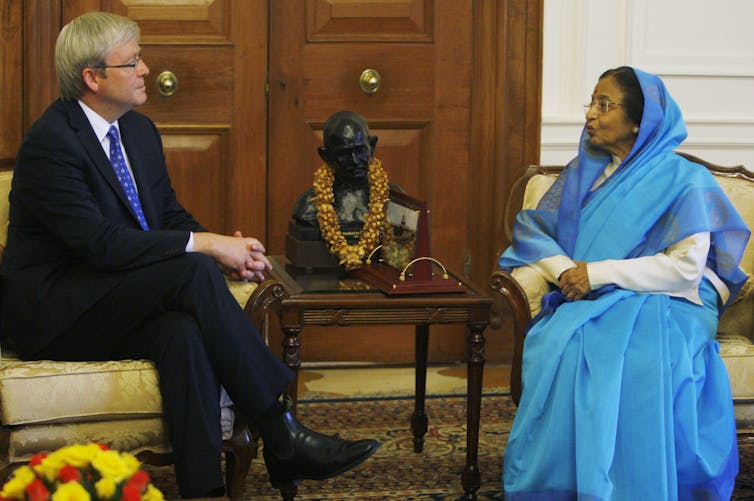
pixel 45 405
pixel 735 330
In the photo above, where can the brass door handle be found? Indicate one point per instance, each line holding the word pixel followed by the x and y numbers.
pixel 167 83
pixel 370 81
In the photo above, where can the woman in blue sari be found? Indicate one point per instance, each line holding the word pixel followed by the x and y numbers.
pixel 625 396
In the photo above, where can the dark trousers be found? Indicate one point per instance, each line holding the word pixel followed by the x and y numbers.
pixel 180 314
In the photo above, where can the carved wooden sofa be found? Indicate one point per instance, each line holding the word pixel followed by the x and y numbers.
pixel 735 331
pixel 45 405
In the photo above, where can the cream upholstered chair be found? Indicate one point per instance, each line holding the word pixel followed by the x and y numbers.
pixel 45 405
pixel 735 331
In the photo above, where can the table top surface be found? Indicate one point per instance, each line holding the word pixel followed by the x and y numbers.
pixel 328 284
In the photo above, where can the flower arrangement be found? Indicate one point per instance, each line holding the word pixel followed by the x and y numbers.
pixel 351 256
pixel 91 472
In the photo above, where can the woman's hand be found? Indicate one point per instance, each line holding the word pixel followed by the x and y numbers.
pixel 574 282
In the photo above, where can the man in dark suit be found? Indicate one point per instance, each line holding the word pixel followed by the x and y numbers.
pixel 102 262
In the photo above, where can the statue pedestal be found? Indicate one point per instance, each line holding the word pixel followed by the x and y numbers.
pixel 307 252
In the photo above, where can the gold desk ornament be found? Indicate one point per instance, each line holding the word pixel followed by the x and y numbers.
pixel 402 276
pixel 405 245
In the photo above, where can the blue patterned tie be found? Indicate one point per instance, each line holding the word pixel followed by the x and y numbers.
pixel 124 176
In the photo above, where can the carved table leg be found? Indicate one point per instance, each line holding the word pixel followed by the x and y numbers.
pixel 471 477
pixel 419 421
pixel 292 358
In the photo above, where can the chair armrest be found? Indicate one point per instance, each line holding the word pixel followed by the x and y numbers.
pixel 264 301
pixel 507 293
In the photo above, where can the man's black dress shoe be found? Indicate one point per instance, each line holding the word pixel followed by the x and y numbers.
pixel 293 452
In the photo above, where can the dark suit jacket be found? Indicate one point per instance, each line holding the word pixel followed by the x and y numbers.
pixel 72 233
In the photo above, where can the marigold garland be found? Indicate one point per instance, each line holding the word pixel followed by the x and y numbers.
pixel 351 256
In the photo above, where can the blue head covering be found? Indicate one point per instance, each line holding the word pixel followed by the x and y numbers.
pixel 654 199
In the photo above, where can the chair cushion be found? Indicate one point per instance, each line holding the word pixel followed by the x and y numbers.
pixel 55 392
pixel 737 352
pixel 131 435
pixel 741 194
pixel 739 317
pixel 45 392
pixel 241 290
pixel 6 178
pixel 536 188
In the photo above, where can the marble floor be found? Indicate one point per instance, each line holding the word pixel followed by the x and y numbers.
pixel 376 381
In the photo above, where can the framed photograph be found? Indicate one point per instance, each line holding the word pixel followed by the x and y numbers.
pixel 400 234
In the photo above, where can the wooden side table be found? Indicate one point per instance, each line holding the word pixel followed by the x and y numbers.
pixel 316 300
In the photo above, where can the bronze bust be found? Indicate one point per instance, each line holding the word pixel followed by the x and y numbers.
pixel 348 148
pixel 342 189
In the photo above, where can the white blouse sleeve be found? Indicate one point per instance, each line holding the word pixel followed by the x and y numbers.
pixel 677 271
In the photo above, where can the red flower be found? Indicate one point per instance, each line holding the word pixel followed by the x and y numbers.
pixel 37 491
pixel 139 481
pixel 37 458
pixel 68 473
pixel 104 447
pixel 130 493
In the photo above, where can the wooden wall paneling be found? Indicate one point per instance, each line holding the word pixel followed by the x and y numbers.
pixel 249 177
pixel 11 81
pixel 200 22
pixel 198 99
pixel 387 20
pixel 42 23
pixel 505 125
pixel 448 170
pixel 198 157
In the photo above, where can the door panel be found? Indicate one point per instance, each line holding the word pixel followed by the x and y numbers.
pixel 422 51
pixel 213 126
pixel 407 80
pixel 197 98
pixel 198 159
pixel 390 20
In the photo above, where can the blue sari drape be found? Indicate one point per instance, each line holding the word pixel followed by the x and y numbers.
pixel 624 394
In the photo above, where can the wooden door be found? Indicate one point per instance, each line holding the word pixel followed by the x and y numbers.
pixel 422 52
pixel 214 126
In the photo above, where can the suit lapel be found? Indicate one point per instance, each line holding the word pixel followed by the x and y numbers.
pixel 92 145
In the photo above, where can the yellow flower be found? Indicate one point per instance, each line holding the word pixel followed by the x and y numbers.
pixel 132 464
pixel 71 491
pixel 79 456
pixel 50 466
pixel 105 488
pixel 152 494
pixel 111 464
pixel 14 488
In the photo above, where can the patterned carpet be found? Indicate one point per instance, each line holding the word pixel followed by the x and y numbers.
pixel 396 472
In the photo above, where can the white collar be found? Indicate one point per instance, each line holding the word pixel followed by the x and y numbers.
pixel 99 124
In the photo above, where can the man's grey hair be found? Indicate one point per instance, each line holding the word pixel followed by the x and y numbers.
pixel 85 42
